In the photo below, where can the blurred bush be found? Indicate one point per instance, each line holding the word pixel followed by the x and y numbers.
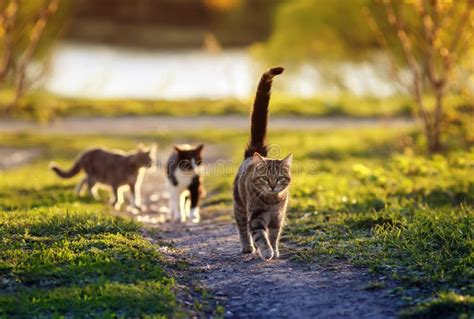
pixel 28 30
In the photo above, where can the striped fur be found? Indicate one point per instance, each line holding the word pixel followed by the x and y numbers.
pixel 261 187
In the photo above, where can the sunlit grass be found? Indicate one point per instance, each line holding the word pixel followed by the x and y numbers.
pixel 44 106
pixel 60 255
pixel 367 196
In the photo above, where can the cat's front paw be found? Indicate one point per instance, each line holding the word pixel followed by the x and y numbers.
pixel 141 207
pixel 266 254
pixel 276 253
pixel 194 215
pixel 177 219
pixel 248 250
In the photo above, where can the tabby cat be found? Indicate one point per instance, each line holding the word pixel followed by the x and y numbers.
pixel 111 168
pixel 261 187
pixel 185 182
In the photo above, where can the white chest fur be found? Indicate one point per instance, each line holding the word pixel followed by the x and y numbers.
pixel 184 178
pixel 179 206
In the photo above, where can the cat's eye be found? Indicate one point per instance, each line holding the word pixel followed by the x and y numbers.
pixel 282 180
pixel 262 180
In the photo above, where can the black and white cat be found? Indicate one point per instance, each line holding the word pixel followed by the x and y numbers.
pixel 184 181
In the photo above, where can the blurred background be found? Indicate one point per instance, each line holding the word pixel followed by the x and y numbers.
pixel 376 105
pixel 200 57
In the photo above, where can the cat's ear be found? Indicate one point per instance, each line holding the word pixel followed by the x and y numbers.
pixel 257 158
pixel 153 148
pixel 153 152
pixel 288 160
pixel 176 148
pixel 199 148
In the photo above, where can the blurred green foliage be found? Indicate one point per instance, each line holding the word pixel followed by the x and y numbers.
pixel 28 31
pixel 423 46
pixel 43 106
pixel 314 31
pixel 27 16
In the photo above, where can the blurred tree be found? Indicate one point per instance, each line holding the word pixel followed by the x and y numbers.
pixel 428 38
pixel 223 5
pixel 28 29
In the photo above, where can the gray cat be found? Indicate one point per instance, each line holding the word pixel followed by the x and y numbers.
pixel 111 168
pixel 261 187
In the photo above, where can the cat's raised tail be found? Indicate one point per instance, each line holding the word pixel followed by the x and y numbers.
pixel 74 170
pixel 259 117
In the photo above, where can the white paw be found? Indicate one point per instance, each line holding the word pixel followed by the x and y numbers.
pixel 141 207
pixel 276 253
pixel 194 215
pixel 133 210
pixel 248 250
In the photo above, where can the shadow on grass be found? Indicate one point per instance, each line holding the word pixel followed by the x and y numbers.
pixel 30 198
pixel 106 300
pixel 381 150
pixel 454 195
pixel 84 263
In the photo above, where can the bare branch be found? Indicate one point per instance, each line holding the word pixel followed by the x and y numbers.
pixel 8 21
pixel 450 54
pixel 431 31
pixel 35 37
pixel 382 40
pixel 461 25
pixel 397 23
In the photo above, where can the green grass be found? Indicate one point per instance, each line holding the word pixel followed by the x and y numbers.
pixel 63 256
pixel 366 196
pixel 446 305
pixel 43 106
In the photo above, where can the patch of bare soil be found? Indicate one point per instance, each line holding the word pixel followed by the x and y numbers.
pixel 251 288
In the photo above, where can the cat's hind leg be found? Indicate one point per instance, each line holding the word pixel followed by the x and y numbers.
pixel 241 219
pixel 135 198
pixel 80 186
pixel 259 231
pixel 195 195
pixel 174 204
pixel 118 197
pixel 93 191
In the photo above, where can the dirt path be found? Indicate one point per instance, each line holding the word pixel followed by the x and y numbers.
pixel 248 287
pixel 144 124
pixel 281 288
